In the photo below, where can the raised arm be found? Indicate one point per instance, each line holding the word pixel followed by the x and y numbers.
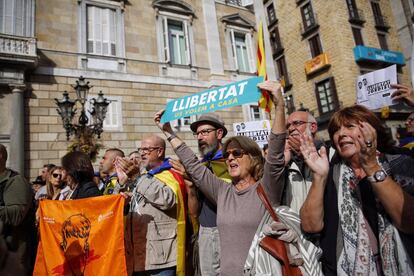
pixel 273 180
pixel 312 212
pixel 398 204
pixel 202 177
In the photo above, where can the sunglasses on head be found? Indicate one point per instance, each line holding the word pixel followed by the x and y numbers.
pixel 56 175
pixel 237 153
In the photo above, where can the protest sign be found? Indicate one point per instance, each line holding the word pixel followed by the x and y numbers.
pixel 81 237
pixel 258 131
pixel 374 89
pixel 233 94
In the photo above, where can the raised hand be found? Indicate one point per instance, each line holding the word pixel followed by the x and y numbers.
pixel 317 162
pixel 405 93
pixel 178 167
pixel 125 168
pixel 368 143
pixel 166 127
pixel 275 91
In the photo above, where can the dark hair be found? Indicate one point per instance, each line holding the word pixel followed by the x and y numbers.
pixel 358 113
pixel 79 166
pixel 254 151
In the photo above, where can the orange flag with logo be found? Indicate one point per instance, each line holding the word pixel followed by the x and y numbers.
pixel 81 237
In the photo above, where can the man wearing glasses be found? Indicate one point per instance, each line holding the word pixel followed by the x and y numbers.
pixel 298 175
pixel 155 232
pixel 209 131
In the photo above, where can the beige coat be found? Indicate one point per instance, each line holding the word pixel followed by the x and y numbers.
pixel 151 226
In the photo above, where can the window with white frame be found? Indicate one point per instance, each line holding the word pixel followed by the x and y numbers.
pixel 16 17
pixel 113 119
pixel 176 40
pixel 255 113
pixel 242 50
pixel 101 32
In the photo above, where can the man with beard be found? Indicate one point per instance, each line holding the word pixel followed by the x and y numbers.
pixel 298 174
pixel 209 131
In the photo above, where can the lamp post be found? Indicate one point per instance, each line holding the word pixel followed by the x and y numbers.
pixel 83 132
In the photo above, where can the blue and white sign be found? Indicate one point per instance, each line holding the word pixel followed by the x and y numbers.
pixel 233 94
pixel 362 53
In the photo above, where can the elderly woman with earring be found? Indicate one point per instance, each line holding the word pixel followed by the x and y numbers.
pixel 361 202
pixel 239 209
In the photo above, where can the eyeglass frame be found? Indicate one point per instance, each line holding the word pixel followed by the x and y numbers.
pixel 148 150
pixel 297 123
pixel 204 132
pixel 226 154
pixel 57 174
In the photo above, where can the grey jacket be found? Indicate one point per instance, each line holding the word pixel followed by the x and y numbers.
pixel 151 227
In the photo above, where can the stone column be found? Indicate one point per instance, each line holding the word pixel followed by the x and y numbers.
pixel 16 154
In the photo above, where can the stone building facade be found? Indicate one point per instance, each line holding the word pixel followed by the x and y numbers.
pixel 139 53
pixel 320 47
pixel 143 53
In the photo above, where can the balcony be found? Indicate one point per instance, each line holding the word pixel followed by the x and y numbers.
pixel 381 23
pixel 312 25
pixel 356 16
pixel 18 50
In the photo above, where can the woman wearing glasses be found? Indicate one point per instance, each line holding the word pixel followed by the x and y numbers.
pixel 54 184
pixel 239 209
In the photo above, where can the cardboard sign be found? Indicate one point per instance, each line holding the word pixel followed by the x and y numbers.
pixel 258 131
pixel 230 95
pixel 374 89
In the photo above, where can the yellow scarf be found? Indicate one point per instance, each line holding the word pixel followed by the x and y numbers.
pixel 173 180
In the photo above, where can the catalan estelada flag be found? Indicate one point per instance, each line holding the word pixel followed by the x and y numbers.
pixel 176 183
pixel 81 237
pixel 265 101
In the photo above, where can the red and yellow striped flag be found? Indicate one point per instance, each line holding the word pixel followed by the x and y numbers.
pixel 265 101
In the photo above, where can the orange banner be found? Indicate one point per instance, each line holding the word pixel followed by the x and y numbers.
pixel 81 237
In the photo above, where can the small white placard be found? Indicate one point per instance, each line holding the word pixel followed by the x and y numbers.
pixel 258 131
pixel 374 89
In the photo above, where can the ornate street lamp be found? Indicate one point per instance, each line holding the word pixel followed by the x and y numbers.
pixel 84 133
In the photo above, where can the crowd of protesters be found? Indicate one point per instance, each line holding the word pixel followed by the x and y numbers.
pixel 353 198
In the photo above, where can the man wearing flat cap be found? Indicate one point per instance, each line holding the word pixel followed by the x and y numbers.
pixel 209 131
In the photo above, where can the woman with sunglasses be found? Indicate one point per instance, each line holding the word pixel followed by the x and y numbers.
pixel 55 184
pixel 239 208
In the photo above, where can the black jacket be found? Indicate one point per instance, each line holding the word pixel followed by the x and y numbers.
pixel 85 190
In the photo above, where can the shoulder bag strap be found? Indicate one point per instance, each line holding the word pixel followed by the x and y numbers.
pixel 266 202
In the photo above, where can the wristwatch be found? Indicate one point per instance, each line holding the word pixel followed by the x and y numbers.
pixel 378 176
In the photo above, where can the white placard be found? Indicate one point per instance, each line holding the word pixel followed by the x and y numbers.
pixel 258 131
pixel 373 89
